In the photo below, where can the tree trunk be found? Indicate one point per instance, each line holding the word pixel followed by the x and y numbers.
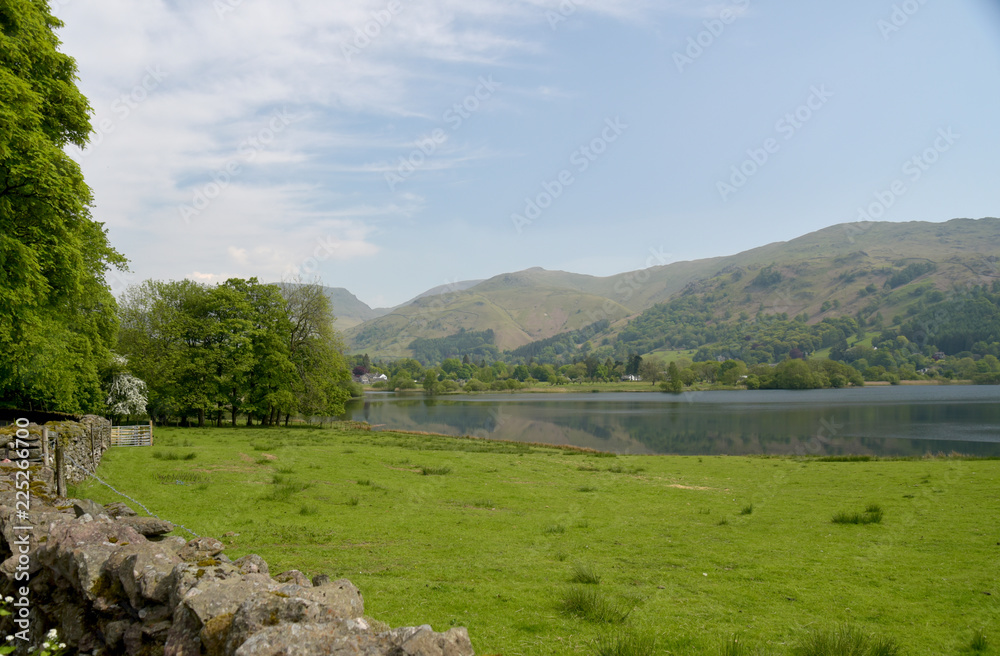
pixel 249 419
pixel 201 417
pixel 287 415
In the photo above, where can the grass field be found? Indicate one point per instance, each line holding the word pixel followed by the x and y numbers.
pixel 546 551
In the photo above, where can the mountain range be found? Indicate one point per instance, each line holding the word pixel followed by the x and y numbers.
pixel 867 268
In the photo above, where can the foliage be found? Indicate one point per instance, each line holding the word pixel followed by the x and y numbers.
pixel 57 315
pixel 239 348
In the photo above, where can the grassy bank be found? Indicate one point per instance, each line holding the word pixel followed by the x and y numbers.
pixel 546 551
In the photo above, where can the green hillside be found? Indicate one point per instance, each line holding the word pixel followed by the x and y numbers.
pixel 881 272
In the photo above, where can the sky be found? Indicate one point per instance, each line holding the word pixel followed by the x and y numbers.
pixel 391 146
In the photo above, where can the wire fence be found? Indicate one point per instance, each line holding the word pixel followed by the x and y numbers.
pixel 122 494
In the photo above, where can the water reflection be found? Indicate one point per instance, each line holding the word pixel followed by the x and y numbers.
pixel 878 421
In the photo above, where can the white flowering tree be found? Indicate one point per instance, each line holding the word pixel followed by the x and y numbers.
pixel 127 395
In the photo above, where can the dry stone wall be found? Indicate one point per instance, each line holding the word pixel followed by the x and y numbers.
pixel 111 582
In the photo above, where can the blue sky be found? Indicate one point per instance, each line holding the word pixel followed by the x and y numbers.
pixel 392 146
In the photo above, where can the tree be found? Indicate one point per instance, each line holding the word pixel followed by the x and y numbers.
pixel 321 387
pixel 57 315
pixel 651 370
pixel 673 382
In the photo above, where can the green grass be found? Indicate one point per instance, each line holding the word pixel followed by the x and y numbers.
pixel 585 574
pixel 979 642
pixel 873 514
pixel 845 641
pixel 427 550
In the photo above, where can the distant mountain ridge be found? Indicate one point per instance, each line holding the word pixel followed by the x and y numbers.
pixel 809 274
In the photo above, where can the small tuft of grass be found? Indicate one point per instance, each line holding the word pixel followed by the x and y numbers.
pixel 979 641
pixel 625 643
pixel 365 481
pixel 586 488
pixel 735 646
pixel 170 455
pixel 308 510
pixel 872 515
pixel 561 556
pixel 722 522
pixel 285 470
pixel 353 501
pixel 555 528
pixel 592 605
pixel 747 510
pixel 585 574
pixel 484 503
pixel 435 471
pixel 845 641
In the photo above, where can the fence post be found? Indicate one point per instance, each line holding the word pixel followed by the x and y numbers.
pixel 45 446
pixel 60 470
pixel 150 432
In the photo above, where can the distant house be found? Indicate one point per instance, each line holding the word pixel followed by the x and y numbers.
pixel 368 379
pixel 631 378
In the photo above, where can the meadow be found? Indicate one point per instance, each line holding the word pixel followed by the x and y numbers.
pixel 541 550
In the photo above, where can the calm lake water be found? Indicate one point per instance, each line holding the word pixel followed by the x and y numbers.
pixel 897 421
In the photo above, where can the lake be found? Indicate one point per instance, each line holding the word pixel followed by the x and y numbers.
pixel 885 421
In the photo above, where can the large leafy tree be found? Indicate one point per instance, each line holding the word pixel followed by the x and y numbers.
pixel 57 316
pixel 321 384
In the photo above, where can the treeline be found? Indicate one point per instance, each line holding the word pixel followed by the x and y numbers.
pixel 236 349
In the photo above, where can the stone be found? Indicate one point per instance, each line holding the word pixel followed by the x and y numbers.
pixel 148 526
pixel 144 572
pixel 200 548
pixel 78 552
pixel 342 596
pixel 425 642
pixel 117 510
pixel 266 610
pixel 87 507
pixel 252 564
pixel 293 576
pixel 212 599
pixel 321 579
pixel 114 632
